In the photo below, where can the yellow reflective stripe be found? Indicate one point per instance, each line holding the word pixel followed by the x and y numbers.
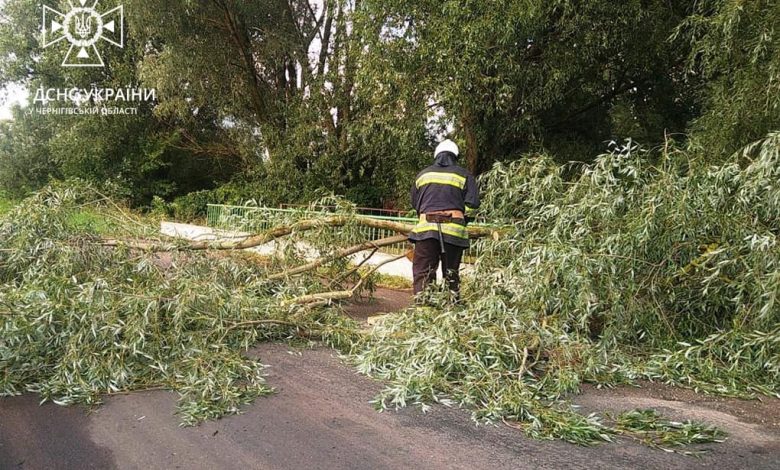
pixel 453 230
pixel 450 179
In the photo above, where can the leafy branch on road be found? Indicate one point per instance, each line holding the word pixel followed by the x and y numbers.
pixel 644 265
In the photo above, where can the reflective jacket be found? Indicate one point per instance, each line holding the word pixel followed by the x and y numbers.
pixel 444 186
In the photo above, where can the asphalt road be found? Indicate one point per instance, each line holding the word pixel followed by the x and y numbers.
pixel 321 418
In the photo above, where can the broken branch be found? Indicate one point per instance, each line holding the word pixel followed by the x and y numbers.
pixel 340 254
pixel 342 295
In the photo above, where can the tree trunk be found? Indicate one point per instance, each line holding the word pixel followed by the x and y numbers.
pixel 282 231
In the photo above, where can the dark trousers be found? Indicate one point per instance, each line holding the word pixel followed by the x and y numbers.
pixel 427 255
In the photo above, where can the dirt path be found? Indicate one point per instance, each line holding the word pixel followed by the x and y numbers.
pixel 384 301
pixel 321 417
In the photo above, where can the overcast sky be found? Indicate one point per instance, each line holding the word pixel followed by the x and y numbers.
pixel 10 96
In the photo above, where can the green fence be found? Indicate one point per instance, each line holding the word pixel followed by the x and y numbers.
pixel 258 219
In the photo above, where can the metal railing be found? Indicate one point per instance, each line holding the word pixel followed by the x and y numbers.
pixel 258 219
pixel 367 211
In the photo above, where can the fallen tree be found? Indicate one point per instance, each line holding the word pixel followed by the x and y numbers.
pixel 80 320
pixel 644 266
pixel 666 271
pixel 253 241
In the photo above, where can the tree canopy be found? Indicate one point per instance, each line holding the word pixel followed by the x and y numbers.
pixel 349 96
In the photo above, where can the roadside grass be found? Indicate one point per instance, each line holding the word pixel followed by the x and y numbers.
pixel 389 281
pixel 91 220
pixel 88 219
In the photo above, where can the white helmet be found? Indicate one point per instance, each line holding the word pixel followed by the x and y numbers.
pixel 447 146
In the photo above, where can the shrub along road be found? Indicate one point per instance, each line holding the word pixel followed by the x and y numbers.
pixel 321 418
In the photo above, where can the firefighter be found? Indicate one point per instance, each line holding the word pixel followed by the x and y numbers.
pixel 445 197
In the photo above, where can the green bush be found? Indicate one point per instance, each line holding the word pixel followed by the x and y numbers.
pixel 192 206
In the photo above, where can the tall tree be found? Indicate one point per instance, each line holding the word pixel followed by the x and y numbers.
pixel 138 152
pixel 735 47
pixel 515 74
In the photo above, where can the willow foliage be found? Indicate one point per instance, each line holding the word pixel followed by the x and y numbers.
pixel 79 320
pixel 735 48
pixel 642 266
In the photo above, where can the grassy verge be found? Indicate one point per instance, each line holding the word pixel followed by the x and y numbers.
pixel 392 282
pixel 93 220
pixel 87 219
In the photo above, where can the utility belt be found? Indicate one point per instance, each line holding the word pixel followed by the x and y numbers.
pixel 443 217
pixel 451 223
